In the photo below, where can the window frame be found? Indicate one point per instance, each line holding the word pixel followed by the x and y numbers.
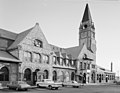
pixel 38 43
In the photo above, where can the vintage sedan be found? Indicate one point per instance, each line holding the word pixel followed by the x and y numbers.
pixel 74 84
pixel 18 85
pixel 48 83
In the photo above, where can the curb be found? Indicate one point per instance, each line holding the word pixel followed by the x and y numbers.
pixel 99 84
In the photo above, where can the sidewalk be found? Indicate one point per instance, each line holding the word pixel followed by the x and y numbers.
pixel 5 87
pixel 99 84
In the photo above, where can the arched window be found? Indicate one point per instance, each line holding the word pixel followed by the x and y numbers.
pixel 37 57
pixel 45 76
pixel 28 56
pixel 61 61
pixel 72 76
pixel 27 74
pixel 54 60
pixel 4 76
pixel 67 62
pixel 46 59
pixel 54 76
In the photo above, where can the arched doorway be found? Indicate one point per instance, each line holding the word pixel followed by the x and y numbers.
pixel 46 74
pixel 100 78
pixel 84 78
pixel 72 76
pixel 93 77
pixel 35 76
pixel 27 74
pixel 54 75
pixel 4 76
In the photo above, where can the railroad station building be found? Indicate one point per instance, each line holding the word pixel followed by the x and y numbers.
pixel 28 56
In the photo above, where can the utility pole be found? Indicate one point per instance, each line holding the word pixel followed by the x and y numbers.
pixel 111 66
pixel 118 74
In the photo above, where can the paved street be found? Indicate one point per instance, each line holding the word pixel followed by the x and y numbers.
pixel 84 89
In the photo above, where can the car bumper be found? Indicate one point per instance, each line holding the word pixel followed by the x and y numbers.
pixel 55 86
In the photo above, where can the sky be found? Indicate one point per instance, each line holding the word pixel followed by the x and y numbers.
pixel 60 21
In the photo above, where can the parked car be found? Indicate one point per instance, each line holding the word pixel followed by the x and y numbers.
pixel 74 84
pixel 18 85
pixel 117 82
pixel 48 83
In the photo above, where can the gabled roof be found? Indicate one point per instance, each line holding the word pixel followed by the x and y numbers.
pixel 7 34
pixel 5 56
pixel 57 49
pixel 101 69
pixel 74 51
pixel 87 15
pixel 19 38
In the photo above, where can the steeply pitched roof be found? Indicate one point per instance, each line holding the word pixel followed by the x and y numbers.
pixel 19 38
pixel 57 49
pixel 87 15
pixel 5 56
pixel 7 34
pixel 74 51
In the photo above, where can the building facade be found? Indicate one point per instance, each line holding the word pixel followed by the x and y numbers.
pixel 8 63
pixel 34 59
pixel 104 75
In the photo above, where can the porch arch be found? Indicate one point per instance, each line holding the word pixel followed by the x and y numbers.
pixel 4 76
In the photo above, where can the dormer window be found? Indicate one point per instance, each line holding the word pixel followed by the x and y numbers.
pixel 38 43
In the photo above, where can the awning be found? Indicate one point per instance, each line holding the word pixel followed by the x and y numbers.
pixel 5 56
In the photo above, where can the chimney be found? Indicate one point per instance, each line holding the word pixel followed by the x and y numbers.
pixel 111 66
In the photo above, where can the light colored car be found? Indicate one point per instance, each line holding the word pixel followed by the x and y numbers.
pixel 74 84
pixel 18 85
pixel 48 83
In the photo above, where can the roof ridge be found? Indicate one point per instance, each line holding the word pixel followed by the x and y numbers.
pixel 19 38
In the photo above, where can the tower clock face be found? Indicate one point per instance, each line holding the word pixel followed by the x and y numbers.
pixel 83 34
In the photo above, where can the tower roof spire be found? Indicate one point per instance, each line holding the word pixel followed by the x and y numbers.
pixel 87 15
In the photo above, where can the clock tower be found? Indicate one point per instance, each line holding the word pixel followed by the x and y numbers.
pixel 87 31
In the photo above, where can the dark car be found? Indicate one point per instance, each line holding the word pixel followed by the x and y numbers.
pixel 18 85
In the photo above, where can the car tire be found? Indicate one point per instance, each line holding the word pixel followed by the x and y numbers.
pixel 26 89
pixel 38 85
pixel 56 88
pixel 10 88
pixel 50 87
pixel 17 89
